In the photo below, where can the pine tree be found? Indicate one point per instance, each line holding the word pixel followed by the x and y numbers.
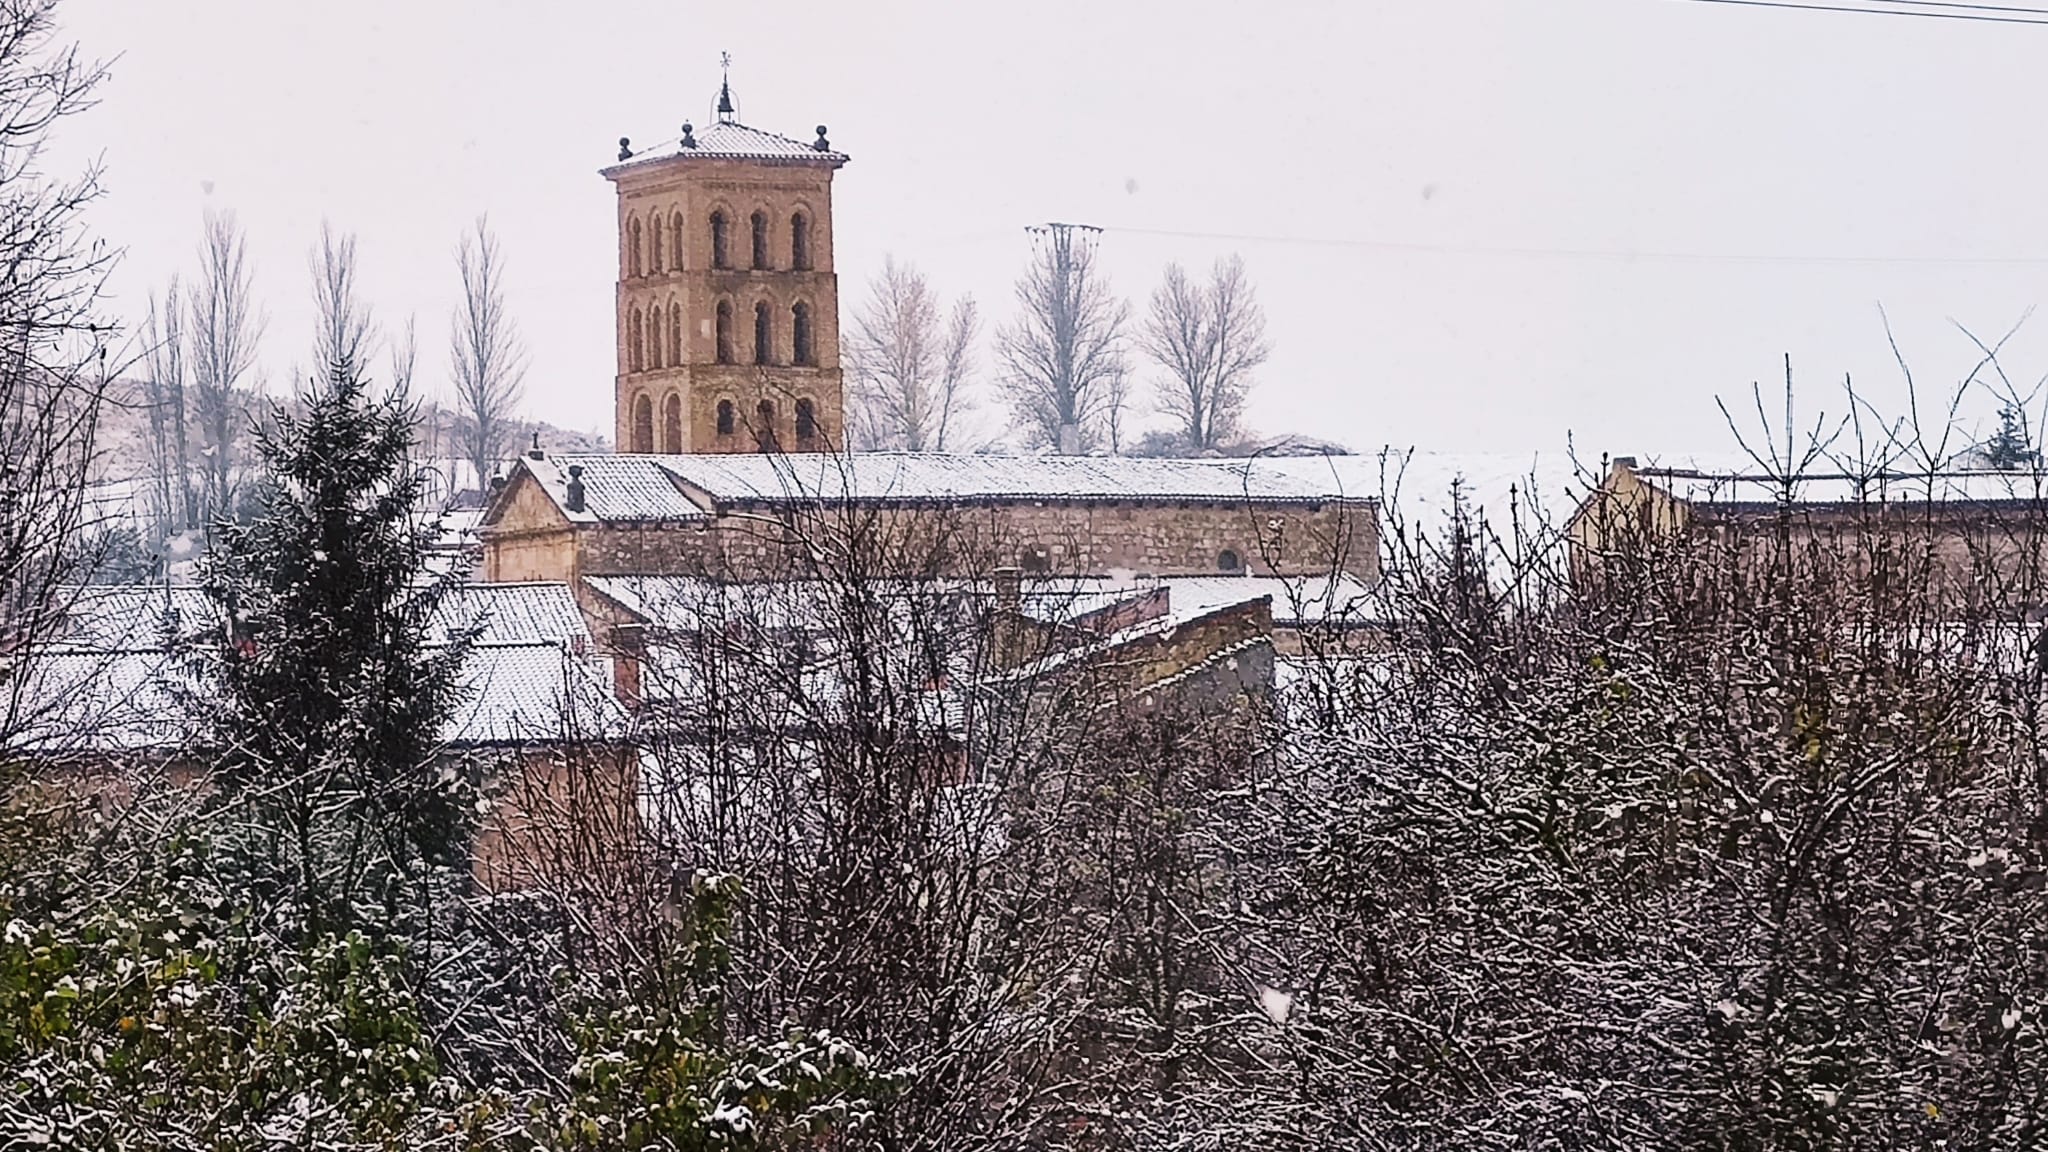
pixel 2011 448
pixel 333 688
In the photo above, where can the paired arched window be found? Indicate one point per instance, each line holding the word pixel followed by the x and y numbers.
pixel 672 424
pixel 675 333
pixel 1227 561
pixel 654 262
pixel 801 351
pixel 725 332
pixel 806 421
pixel 675 242
pixel 800 242
pixel 654 340
pixel 764 334
pixel 643 423
pixel 721 240
pixel 633 247
pixel 725 418
pixel 634 334
pixel 764 424
pixel 760 225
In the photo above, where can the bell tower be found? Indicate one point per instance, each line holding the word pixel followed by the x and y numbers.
pixel 728 307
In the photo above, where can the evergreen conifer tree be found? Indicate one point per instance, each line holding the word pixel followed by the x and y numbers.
pixel 333 686
pixel 2011 448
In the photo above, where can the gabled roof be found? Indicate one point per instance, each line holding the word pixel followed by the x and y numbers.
pixel 680 487
pixel 731 141
pixel 1739 482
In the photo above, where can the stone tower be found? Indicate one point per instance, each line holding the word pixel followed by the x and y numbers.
pixel 728 308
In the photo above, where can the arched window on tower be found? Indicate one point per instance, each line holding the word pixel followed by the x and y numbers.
pixel 725 332
pixel 675 334
pixel 800 242
pixel 675 242
pixel 764 334
pixel 764 425
pixel 721 241
pixel 633 247
pixel 806 423
pixel 654 340
pixel 1228 561
pixel 643 423
pixel 800 348
pixel 633 337
pixel 725 418
pixel 654 262
pixel 760 223
pixel 672 424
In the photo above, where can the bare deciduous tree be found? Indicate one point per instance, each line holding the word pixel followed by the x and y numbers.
pixel 176 507
pixel 346 335
pixel 1065 346
pixel 53 342
pixel 910 373
pixel 1209 338
pixel 226 326
pixel 487 358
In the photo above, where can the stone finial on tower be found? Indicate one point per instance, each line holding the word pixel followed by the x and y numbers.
pixel 625 148
pixel 821 144
pixel 689 139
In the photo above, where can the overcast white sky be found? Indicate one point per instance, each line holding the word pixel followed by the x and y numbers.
pixel 1429 193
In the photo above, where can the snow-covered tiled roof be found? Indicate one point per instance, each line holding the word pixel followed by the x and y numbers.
pixel 733 141
pixel 1415 488
pixel 513 613
pixel 1739 480
pixel 116 680
pixel 137 618
pixel 655 487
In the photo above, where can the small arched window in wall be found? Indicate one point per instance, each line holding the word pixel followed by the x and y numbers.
pixel 800 348
pixel 760 225
pixel 806 422
pixel 633 336
pixel 633 247
pixel 1035 559
pixel 764 425
pixel 725 332
pixel 800 242
pixel 672 423
pixel 654 340
pixel 725 418
pixel 1227 561
pixel 764 334
pixel 643 423
pixel 721 240
pixel 675 334
pixel 654 261
pixel 675 242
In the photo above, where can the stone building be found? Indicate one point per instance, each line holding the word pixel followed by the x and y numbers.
pixel 727 304
pixel 1957 533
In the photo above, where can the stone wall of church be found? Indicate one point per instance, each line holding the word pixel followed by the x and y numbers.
pixel 1074 538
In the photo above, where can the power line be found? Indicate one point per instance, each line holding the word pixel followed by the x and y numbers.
pixel 1934 10
pixel 1610 254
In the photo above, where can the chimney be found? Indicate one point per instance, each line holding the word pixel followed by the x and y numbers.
pixel 1009 589
pixel 575 487
pixel 1624 462
pixel 535 453
pixel 1070 440
pixel 629 644
pixel 1006 623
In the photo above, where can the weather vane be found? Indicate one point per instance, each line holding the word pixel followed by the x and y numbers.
pixel 726 114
